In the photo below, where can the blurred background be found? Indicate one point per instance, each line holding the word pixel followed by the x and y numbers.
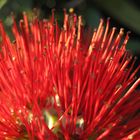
pixel 124 14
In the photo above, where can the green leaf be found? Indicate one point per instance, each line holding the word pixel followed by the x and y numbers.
pixel 93 17
pixel 134 46
pixel 123 11
pixel 2 3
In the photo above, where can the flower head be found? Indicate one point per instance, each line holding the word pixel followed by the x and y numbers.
pixel 63 83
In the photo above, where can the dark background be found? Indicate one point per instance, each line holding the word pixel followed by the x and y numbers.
pixel 124 14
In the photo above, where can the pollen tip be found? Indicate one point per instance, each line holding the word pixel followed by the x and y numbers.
pixel 65 10
pixel 53 10
pixel 121 29
pixel 135 57
pixel 80 16
pixel 129 32
pixel 108 19
pixel 71 10
pixel 21 21
pixel 95 30
pixel 101 20
pixel 24 13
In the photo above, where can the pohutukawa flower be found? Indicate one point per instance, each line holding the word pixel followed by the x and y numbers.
pixel 62 83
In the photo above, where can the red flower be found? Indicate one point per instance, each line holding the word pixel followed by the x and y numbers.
pixel 64 84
